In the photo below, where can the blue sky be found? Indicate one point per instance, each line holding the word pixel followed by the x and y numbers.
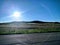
pixel 43 10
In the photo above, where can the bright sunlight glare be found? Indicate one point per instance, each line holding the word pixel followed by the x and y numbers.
pixel 16 16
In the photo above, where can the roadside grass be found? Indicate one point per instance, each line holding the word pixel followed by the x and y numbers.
pixel 28 31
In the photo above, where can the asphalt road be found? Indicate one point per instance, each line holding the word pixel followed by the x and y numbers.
pixel 31 39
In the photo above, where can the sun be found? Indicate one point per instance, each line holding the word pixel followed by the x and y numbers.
pixel 16 14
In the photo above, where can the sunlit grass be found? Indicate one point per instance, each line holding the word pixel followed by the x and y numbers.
pixel 28 31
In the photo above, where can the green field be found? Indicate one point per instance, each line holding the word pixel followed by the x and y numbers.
pixel 27 31
pixel 28 27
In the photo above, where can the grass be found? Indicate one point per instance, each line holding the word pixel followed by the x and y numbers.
pixel 28 31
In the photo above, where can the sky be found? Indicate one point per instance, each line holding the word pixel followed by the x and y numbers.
pixel 42 10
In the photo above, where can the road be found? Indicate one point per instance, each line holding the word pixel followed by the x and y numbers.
pixel 31 39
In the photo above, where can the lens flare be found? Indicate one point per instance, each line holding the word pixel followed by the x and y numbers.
pixel 16 16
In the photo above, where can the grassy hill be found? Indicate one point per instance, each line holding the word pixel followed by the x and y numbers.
pixel 29 27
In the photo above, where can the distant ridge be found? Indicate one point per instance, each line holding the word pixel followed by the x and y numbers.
pixel 37 22
pixel 27 22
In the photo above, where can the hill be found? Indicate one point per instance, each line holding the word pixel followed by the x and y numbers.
pixel 29 27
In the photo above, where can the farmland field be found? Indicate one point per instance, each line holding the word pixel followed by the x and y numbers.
pixel 26 28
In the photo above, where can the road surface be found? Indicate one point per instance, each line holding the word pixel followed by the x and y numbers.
pixel 31 39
